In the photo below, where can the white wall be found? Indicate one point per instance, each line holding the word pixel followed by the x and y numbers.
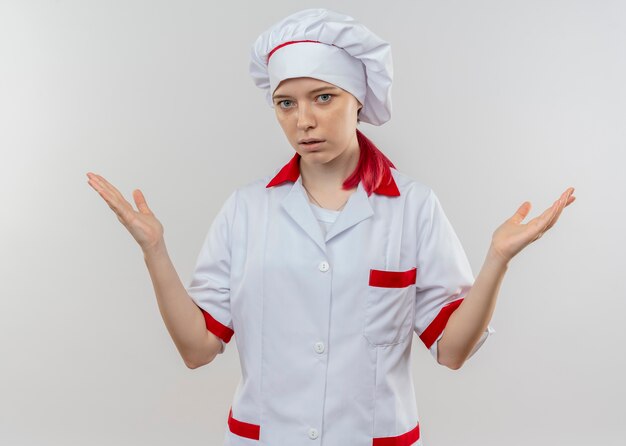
pixel 495 102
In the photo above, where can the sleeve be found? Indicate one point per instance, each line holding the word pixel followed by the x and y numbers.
pixel 210 281
pixel 444 275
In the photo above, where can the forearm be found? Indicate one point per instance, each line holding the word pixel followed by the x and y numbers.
pixel 469 321
pixel 183 318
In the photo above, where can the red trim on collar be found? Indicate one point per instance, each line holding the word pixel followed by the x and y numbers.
pixel 291 172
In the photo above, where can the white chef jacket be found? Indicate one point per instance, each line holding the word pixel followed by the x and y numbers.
pixel 323 320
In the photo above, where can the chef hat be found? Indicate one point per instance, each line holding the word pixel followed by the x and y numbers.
pixel 332 47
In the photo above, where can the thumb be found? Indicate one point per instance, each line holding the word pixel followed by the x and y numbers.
pixel 521 212
pixel 140 201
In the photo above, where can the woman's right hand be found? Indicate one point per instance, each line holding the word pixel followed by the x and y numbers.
pixel 142 224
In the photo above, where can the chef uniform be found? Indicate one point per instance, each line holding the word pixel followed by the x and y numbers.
pixel 323 303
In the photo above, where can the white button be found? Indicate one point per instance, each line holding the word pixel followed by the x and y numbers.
pixel 319 347
pixel 323 266
pixel 313 434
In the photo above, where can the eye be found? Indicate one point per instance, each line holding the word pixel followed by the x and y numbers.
pixel 280 103
pixel 325 95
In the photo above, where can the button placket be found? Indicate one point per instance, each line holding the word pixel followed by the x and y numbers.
pixel 319 346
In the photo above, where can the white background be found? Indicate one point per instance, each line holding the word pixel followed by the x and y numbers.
pixel 495 102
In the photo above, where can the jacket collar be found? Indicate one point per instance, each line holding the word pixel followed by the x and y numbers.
pixel 291 172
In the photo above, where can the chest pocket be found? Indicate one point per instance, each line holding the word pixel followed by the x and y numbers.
pixel 389 306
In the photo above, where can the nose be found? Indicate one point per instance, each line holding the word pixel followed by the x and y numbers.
pixel 306 117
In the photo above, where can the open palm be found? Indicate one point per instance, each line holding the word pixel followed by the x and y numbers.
pixel 141 223
pixel 512 236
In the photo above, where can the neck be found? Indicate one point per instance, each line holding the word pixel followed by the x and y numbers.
pixel 331 175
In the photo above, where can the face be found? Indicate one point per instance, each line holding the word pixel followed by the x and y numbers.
pixel 308 108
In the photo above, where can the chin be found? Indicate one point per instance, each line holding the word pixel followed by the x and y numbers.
pixel 320 157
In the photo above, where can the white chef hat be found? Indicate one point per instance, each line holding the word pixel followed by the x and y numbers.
pixel 332 47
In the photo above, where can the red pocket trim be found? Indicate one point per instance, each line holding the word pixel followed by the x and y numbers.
pixel 246 430
pixel 435 328
pixel 406 439
pixel 217 328
pixel 392 279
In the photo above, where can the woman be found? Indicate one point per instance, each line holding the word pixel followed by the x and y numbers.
pixel 326 267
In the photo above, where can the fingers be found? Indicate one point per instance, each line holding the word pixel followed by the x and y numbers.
pixel 553 215
pixel 102 187
pixel 108 186
pixel 542 220
pixel 140 201
pixel 565 200
pixel 110 194
pixel 550 216
pixel 521 212
pixel 553 211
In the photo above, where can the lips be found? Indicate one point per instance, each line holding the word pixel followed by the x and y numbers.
pixel 310 141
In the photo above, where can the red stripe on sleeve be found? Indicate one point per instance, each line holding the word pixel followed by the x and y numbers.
pixel 436 327
pixel 218 329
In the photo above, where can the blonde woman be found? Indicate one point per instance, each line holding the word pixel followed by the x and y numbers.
pixel 323 269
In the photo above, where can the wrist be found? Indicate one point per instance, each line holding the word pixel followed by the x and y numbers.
pixel 496 259
pixel 155 249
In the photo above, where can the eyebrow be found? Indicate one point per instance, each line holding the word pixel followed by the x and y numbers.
pixel 280 96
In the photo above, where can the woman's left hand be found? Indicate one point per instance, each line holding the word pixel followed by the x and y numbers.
pixel 513 236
